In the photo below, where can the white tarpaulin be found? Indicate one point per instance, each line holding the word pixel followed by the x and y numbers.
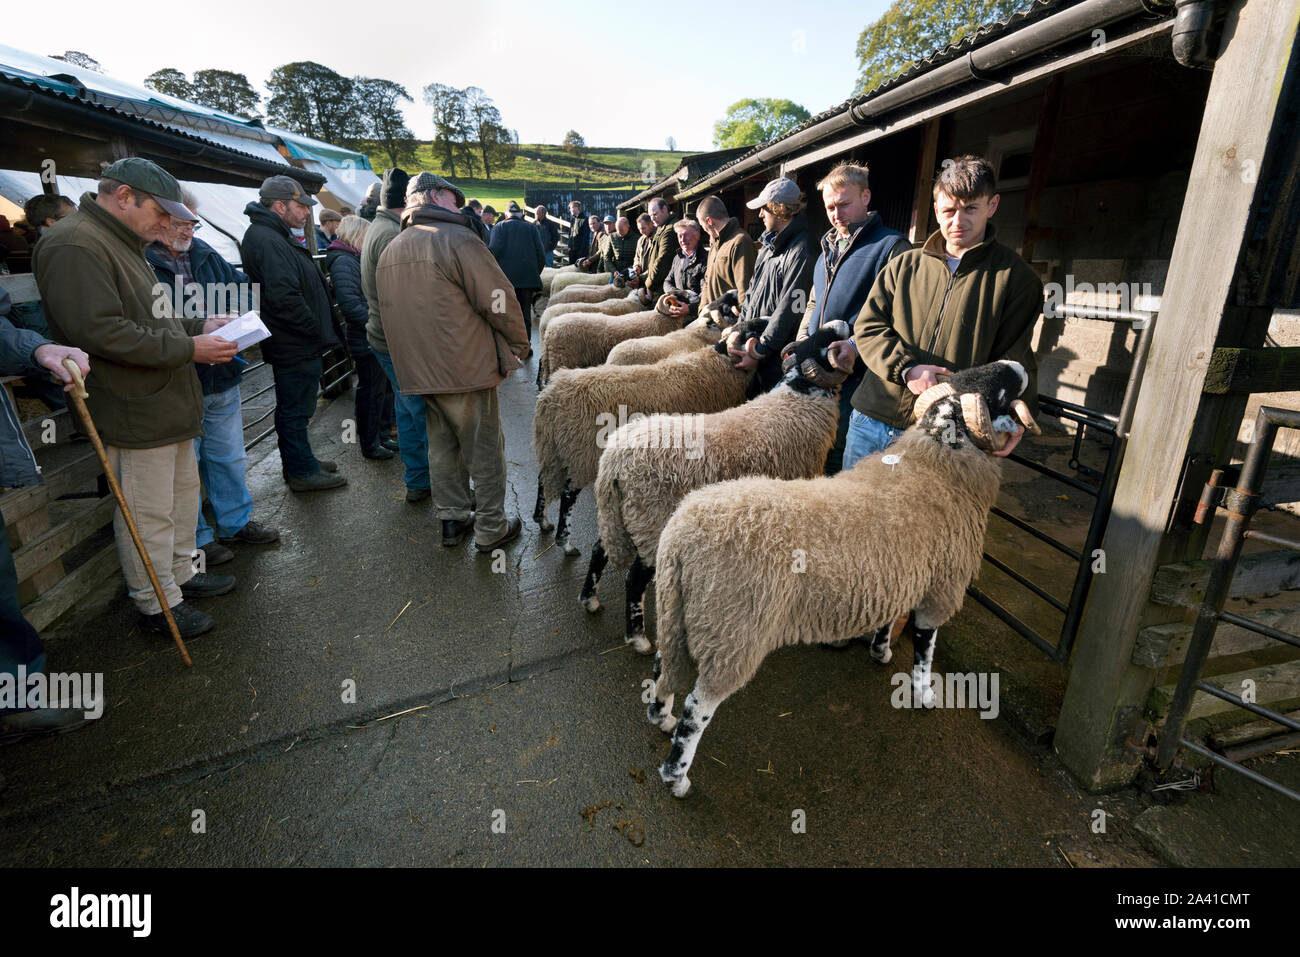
pixel 349 185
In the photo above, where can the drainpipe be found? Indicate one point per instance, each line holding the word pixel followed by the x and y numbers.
pixel 1194 38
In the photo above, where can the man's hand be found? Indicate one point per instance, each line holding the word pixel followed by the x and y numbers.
pixel 1011 443
pixel 51 357
pixel 213 350
pixel 679 310
pixel 922 377
pixel 216 322
pixel 843 355
pixel 742 357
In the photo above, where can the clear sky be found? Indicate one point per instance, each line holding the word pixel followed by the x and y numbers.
pixel 621 74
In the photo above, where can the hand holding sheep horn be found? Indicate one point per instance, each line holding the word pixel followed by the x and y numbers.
pixel 941 475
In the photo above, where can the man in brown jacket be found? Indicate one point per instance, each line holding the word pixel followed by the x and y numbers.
pixel 961 300
pixel 99 293
pixel 454 331
pixel 731 252
pixel 663 247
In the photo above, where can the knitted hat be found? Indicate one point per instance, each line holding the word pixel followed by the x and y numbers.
pixel 393 193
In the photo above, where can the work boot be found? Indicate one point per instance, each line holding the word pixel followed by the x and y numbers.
pixel 390 444
pixel 454 532
pixel 414 495
pixel 513 528
pixel 16 725
pixel 214 553
pixel 317 482
pixel 205 585
pixel 254 533
pixel 190 621
pixel 378 454
pixel 325 466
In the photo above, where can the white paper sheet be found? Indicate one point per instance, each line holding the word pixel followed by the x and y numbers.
pixel 245 331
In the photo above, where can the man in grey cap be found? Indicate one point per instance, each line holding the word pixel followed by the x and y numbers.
pixel 101 296
pixel 295 305
pixel 782 277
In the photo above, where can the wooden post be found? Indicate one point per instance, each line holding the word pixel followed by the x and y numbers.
pixel 1228 265
pixel 1044 147
pixel 922 200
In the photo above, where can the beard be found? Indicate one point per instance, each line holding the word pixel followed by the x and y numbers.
pixel 182 245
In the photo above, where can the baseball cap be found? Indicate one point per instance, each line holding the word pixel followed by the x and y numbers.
pixel 148 177
pixel 513 207
pixel 778 191
pixel 285 188
pixel 426 181
pixel 609 219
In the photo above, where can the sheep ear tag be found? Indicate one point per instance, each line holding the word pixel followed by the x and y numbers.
pixel 891 460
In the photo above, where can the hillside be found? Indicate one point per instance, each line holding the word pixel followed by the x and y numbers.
pixel 539 163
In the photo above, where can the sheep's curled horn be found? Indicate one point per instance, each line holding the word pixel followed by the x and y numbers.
pixel 975 413
pixel 809 355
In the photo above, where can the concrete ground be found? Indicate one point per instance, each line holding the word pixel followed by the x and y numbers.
pixel 497 723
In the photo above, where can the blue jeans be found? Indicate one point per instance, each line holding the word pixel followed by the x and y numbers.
pixel 19 643
pixel 412 434
pixel 550 259
pixel 296 386
pixel 865 437
pixel 222 465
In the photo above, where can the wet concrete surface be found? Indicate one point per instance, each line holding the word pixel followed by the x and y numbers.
pixel 491 712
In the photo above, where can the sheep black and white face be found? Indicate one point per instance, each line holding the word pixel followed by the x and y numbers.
pixel 944 423
pixel 807 366
pixel 1000 383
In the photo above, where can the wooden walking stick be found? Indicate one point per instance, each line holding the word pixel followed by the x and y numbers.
pixel 78 395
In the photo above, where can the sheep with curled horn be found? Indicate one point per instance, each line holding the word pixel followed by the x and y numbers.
pixel 939 478
pixel 579 408
pixel 715 319
pixel 649 465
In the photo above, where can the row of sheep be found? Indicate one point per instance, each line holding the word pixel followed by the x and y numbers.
pixel 701 490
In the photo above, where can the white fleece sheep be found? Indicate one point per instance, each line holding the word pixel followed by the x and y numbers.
pixel 576 278
pixel 581 292
pixel 580 407
pixel 581 339
pixel 713 321
pixel 549 273
pixel 649 465
pixel 748 566
pixel 610 307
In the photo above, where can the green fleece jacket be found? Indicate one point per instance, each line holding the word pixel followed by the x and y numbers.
pixel 98 292
pixel 921 313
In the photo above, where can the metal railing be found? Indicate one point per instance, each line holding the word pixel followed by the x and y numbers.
pixel 1239 499
pixel 1084 418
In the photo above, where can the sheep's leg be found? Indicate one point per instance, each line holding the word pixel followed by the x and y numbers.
pixel 638 579
pixel 880 647
pixel 660 711
pixel 598 561
pixel 923 640
pixel 539 510
pixel 697 712
pixel 567 498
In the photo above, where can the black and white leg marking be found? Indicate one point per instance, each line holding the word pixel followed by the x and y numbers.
pixel 539 510
pixel 923 641
pixel 660 711
pixel 638 579
pixel 567 498
pixel 594 570
pixel 880 648
pixel 696 715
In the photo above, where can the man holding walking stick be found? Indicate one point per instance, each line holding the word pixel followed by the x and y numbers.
pixel 145 398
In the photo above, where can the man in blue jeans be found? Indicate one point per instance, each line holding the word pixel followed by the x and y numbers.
pixel 412 436
pixel 193 273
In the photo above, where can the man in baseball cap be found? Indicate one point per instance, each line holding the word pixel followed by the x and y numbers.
pixel 146 177
pixel 284 188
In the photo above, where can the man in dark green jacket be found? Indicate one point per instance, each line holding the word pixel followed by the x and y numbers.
pixel 961 300
pixel 99 293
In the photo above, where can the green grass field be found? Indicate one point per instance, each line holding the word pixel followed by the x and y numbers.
pixel 546 165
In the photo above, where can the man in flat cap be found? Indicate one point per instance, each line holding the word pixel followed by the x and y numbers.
pixel 454 331
pixel 295 305
pixel 100 296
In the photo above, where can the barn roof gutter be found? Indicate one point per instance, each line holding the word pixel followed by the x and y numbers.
pixel 1036 38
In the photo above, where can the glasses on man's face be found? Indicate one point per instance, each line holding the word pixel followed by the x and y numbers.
pixel 184 226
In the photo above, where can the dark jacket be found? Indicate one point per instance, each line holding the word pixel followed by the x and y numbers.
pixel 779 289
pixel 663 247
pixel 100 295
pixel 548 233
pixel 619 252
pixel 518 248
pixel 920 313
pixel 731 263
pixel 295 300
pixel 343 264
pixel 206 267
pixel 686 278
pixel 579 238
pixel 17 464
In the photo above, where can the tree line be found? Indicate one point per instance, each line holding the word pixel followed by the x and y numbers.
pixel 311 99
